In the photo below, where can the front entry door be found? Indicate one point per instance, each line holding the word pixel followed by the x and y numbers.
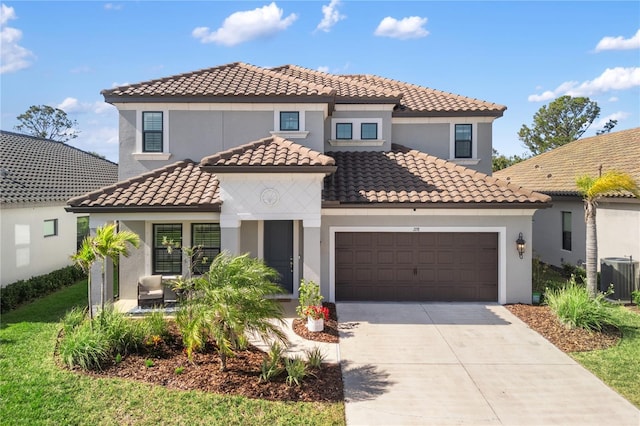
pixel 278 250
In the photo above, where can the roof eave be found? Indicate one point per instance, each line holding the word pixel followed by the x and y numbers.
pixel 422 205
pixel 114 99
pixel 216 208
pixel 433 113
pixel 269 169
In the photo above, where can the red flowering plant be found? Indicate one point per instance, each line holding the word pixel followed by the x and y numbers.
pixel 317 312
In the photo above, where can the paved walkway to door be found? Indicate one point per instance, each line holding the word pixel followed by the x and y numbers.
pixel 463 363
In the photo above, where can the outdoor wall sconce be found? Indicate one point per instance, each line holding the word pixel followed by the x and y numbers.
pixel 521 245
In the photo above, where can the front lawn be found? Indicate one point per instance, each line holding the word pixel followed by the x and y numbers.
pixel 619 366
pixel 36 391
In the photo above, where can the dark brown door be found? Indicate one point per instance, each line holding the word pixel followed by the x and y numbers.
pixel 405 266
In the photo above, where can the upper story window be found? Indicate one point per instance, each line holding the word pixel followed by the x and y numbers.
pixel 50 227
pixel 152 130
pixel 289 120
pixel 369 131
pixel 167 262
pixel 463 141
pixel 566 231
pixel 344 131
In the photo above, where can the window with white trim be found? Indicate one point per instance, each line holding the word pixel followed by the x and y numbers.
pixel 152 131
pixel 289 120
pixel 463 141
pixel 344 131
pixel 368 131
pixel 205 236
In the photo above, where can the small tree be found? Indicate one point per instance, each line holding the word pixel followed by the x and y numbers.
pixel 107 243
pixel 501 161
pixel 232 300
pixel 592 190
pixel 44 121
pixel 562 121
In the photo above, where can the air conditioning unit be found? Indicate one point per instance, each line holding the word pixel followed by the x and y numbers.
pixel 623 273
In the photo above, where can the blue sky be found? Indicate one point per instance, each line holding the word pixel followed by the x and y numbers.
pixel 520 54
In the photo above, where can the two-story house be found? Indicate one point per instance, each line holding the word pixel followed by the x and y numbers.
pixel 374 188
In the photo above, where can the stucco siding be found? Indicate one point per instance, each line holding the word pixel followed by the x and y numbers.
pixel 547 233
pixel 134 266
pixel 127 165
pixel 515 274
pixel 432 139
pixel 484 146
pixel 618 226
pixel 249 238
pixel 384 129
pixel 25 251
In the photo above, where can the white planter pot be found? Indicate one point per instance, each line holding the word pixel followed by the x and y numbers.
pixel 315 325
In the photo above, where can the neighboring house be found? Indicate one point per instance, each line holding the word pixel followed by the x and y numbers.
pixel 559 232
pixel 37 177
pixel 374 188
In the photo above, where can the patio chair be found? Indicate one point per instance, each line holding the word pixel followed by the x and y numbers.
pixel 150 290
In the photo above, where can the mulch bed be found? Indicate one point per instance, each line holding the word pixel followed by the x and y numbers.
pixel 544 321
pixel 330 332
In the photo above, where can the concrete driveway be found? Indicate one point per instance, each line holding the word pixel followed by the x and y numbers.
pixel 463 363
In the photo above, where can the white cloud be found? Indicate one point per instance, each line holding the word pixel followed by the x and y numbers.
pixel 617 78
pixel 330 16
pixel 13 57
pixel 323 68
pixel 613 99
pixel 112 6
pixel 619 43
pixel 82 69
pixel 102 139
pixel 406 28
pixel 620 115
pixel 240 27
pixel 74 106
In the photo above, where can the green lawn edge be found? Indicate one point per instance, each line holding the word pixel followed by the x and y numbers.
pixel 35 391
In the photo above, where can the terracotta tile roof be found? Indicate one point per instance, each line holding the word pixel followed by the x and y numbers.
pixel 555 172
pixel 238 80
pixel 179 186
pixel 346 88
pixel 274 154
pixel 423 99
pixel 231 80
pixel 36 170
pixel 404 176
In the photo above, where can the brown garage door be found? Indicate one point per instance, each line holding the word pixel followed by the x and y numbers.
pixel 397 266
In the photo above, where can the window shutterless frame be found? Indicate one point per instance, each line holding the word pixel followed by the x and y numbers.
pixel 463 142
pixel 152 131
pixel 289 120
pixel 344 131
pixel 566 231
pixel 206 236
pixel 165 263
pixel 50 227
pixel 368 131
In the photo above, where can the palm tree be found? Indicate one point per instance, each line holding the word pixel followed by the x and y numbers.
pixel 107 243
pixel 229 301
pixel 592 189
pixel 85 257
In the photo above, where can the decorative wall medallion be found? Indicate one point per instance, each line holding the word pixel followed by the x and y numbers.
pixel 270 196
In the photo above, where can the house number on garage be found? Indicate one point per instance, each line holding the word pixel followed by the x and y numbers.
pixel 416 229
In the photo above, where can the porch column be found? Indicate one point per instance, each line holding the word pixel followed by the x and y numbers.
pixel 230 234
pixel 311 253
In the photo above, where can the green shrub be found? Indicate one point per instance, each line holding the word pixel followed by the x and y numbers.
pixel 635 296
pixel 580 274
pixel 20 292
pixel 123 334
pixel 155 324
pixel 272 364
pixel 179 370
pixel 73 318
pixel 575 308
pixel 148 363
pixel 84 347
pixel 296 370
pixel 315 357
pixel 309 295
